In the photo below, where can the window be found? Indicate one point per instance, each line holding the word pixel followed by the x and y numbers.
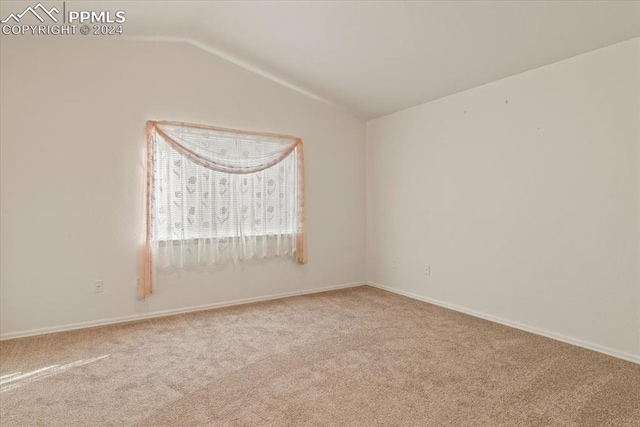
pixel 216 195
pixel 193 202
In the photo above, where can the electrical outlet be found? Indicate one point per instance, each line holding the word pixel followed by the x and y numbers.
pixel 98 286
pixel 395 264
pixel 427 270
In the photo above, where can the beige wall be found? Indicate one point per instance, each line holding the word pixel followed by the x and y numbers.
pixel 72 119
pixel 526 210
pixel 523 197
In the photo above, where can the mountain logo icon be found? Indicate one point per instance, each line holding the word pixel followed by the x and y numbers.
pixel 34 11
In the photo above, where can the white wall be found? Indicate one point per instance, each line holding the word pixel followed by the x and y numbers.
pixel 72 121
pixel 527 211
pixel 523 196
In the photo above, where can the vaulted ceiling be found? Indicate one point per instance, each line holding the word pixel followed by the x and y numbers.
pixel 375 58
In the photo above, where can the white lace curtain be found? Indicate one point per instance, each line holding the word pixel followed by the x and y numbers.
pixel 216 195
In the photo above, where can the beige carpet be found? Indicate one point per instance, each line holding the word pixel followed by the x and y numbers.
pixel 356 357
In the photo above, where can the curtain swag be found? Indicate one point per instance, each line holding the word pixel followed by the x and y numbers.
pixel 193 142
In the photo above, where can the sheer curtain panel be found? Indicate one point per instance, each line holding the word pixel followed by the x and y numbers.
pixel 215 195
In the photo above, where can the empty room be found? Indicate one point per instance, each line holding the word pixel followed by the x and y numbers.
pixel 320 213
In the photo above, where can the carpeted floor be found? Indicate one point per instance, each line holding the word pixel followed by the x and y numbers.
pixel 355 357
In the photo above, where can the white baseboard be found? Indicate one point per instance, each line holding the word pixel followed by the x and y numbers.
pixel 163 313
pixel 545 333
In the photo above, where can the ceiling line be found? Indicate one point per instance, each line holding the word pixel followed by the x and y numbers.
pixel 236 61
